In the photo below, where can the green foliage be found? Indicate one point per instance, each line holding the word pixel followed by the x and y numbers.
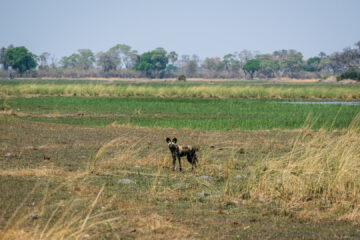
pixel 213 64
pixel 171 68
pixel 232 64
pixel 312 64
pixel 292 64
pixel 69 61
pixel 126 57
pixel 108 61
pixel 269 67
pixel 84 59
pixel 87 58
pixel 349 75
pixel 252 66
pixel 2 57
pixel 173 57
pixel 20 59
pixel 153 63
pixel 228 59
pixel 181 77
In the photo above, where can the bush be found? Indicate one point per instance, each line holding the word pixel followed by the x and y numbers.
pixel 182 77
pixel 349 75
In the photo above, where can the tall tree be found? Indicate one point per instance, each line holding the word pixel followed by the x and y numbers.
pixel 228 59
pixel 107 61
pixel 184 59
pixel 245 55
pixel 251 66
pixel 281 54
pixel 2 58
pixel 127 56
pixel 292 64
pixel 20 59
pixel 44 60
pixel 86 59
pixel 83 59
pixel 70 61
pixel 191 68
pixel 269 67
pixel 173 57
pixel 213 64
pixel 153 63
pixel 313 64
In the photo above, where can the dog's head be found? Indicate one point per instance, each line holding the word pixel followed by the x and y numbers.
pixel 172 144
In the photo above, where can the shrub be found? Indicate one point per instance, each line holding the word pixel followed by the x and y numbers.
pixel 349 75
pixel 182 77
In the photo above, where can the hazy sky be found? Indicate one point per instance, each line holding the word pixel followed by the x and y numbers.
pixel 203 27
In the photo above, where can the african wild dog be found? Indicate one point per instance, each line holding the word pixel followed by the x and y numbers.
pixel 180 151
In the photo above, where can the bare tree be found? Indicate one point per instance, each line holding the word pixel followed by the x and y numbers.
pixel 108 60
pixel 2 58
pixel 191 68
pixel 44 60
pixel 173 57
pixel 245 55
pixel 127 56
pixel 54 62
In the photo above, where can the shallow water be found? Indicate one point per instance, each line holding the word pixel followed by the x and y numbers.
pixel 326 103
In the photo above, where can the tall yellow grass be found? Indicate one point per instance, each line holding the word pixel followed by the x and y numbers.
pixel 322 172
pixel 201 91
pixel 68 219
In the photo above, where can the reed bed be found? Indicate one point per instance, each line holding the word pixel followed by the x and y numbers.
pixel 187 91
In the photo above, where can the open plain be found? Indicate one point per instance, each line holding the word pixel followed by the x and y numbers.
pixel 85 159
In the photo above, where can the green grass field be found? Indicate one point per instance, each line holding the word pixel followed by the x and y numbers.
pixel 205 114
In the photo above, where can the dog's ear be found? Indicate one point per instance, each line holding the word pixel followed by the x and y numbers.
pixel 174 140
pixel 168 140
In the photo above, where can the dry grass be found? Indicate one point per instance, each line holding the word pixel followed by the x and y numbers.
pixel 67 219
pixel 163 204
pixel 147 80
pixel 320 176
pixel 189 91
pixel 38 172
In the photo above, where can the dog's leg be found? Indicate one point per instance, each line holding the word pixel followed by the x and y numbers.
pixel 190 158
pixel 195 160
pixel 174 162
pixel 180 168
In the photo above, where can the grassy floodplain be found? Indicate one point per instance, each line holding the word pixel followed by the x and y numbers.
pixel 80 162
pixel 193 113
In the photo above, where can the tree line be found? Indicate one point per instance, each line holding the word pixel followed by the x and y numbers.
pixel 123 61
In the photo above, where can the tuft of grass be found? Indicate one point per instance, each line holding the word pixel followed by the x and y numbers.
pixel 320 174
pixel 53 219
